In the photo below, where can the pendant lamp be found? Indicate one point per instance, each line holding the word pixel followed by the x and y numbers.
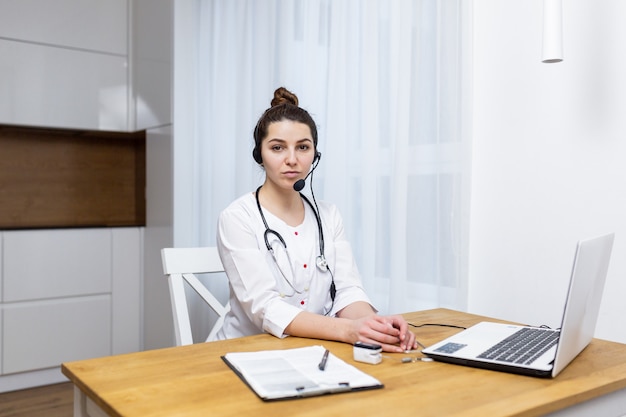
pixel 552 50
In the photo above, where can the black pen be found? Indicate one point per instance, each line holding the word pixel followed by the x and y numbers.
pixel 322 364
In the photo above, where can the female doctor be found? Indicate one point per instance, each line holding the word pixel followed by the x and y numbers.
pixel 290 268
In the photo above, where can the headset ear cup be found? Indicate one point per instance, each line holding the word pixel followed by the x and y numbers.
pixel 256 154
pixel 318 156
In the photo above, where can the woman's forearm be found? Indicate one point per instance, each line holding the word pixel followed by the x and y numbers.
pixel 356 310
pixel 316 326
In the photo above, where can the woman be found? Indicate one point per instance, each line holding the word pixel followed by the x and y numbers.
pixel 290 267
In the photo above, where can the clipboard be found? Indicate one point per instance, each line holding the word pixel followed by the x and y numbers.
pixel 295 373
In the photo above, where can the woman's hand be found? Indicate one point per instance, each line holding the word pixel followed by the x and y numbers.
pixel 391 332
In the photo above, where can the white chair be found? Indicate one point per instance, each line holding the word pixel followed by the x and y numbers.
pixel 181 265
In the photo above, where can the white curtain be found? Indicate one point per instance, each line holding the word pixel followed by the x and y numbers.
pixel 385 82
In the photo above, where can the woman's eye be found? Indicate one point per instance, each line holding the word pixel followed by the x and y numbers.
pixel 304 147
pixel 276 148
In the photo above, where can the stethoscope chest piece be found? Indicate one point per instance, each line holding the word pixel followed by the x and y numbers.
pixel 321 262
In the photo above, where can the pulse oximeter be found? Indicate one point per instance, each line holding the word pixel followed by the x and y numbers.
pixel 368 353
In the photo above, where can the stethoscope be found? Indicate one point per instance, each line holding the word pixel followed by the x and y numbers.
pixel 320 260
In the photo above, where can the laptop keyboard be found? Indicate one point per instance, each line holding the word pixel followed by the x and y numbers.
pixel 523 346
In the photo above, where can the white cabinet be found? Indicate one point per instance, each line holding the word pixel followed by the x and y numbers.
pixel 44 334
pixel 43 264
pixel 152 40
pixel 65 64
pixel 56 87
pixel 86 64
pixel 67 295
pixel 95 25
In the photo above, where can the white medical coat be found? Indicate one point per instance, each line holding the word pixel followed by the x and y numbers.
pixel 261 299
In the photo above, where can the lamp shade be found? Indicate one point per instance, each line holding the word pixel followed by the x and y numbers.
pixel 552 48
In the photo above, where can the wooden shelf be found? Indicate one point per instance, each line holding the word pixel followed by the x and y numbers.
pixel 69 178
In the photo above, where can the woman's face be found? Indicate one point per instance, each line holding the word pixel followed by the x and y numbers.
pixel 287 153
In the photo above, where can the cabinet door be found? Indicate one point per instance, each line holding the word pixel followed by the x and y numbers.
pixel 44 264
pixel 43 334
pixel 68 294
pixel 43 85
pixel 95 25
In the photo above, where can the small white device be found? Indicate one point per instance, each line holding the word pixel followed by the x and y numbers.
pixel 368 353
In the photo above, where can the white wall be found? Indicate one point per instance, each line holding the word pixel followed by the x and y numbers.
pixel 549 151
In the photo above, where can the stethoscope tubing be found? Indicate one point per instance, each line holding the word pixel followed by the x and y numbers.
pixel 320 260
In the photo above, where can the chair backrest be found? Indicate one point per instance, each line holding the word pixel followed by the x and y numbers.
pixel 181 265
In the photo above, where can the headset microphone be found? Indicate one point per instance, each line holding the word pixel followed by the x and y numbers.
pixel 299 185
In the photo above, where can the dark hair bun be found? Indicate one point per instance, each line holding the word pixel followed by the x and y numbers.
pixel 284 96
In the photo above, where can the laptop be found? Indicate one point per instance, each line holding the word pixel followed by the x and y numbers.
pixel 484 345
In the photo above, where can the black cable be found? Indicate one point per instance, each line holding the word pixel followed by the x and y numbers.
pixel 316 212
pixel 437 324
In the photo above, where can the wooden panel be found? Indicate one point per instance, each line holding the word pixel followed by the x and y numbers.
pixel 65 178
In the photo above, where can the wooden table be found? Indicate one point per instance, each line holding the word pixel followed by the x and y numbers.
pixel 194 381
